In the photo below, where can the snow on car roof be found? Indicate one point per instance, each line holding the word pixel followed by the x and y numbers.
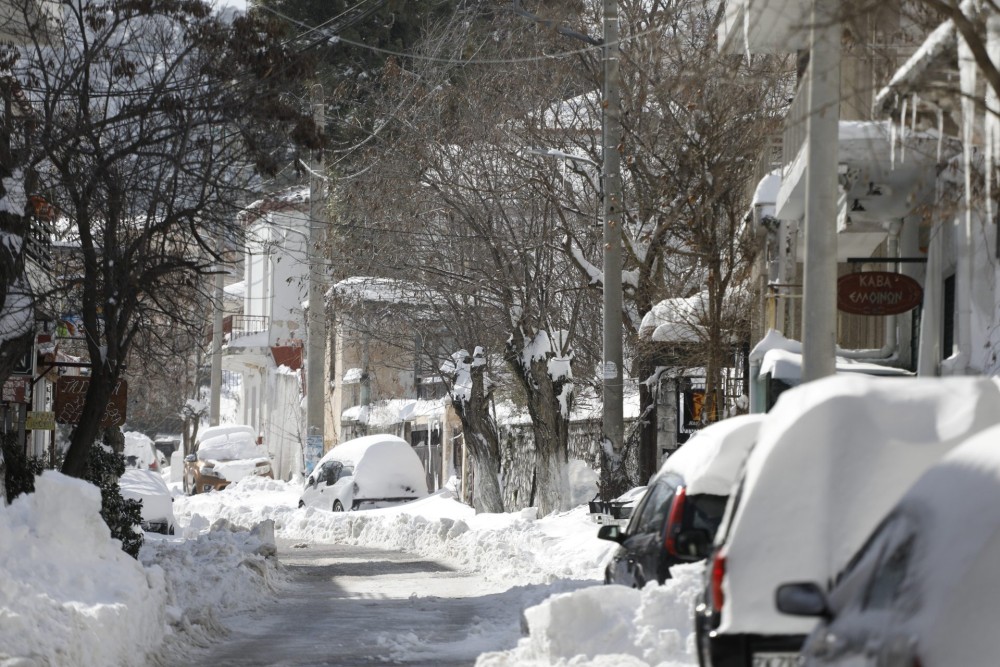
pixel 710 461
pixel 349 452
pixel 230 446
pixel 224 429
pixel 832 457
pixel 384 465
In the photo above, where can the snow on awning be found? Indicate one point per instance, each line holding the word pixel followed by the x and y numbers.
pixel 940 48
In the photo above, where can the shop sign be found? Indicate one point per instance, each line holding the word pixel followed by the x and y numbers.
pixel 71 392
pixel 16 390
pixel 878 293
pixel 40 420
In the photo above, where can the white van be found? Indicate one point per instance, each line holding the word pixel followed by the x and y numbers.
pixel 365 473
pixel 831 459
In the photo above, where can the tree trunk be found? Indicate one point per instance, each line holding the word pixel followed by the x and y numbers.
pixel 648 454
pixel 483 442
pixel 550 424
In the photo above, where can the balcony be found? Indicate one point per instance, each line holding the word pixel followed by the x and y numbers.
pixel 884 175
pixel 235 327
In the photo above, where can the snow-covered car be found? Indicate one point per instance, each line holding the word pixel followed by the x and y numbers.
pixel 832 458
pixel 148 487
pixel 140 452
pixel 223 455
pixel 924 589
pixel 677 517
pixel 365 473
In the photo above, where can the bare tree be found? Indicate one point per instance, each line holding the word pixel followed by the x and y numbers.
pixel 154 120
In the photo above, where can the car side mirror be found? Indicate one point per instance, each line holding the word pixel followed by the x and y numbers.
pixel 612 533
pixel 190 458
pixel 311 481
pixel 802 599
pixel 693 543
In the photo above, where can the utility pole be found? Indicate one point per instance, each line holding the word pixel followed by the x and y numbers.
pixel 218 303
pixel 612 394
pixel 316 336
pixel 819 287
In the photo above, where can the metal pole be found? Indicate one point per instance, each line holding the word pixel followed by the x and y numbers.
pixel 819 289
pixel 612 394
pixel 316 352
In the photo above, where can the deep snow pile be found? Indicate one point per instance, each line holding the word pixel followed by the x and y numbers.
pixel 70 596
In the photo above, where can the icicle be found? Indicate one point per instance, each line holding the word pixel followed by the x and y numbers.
pixel 902 132
pixel 892 144
pixel 940 125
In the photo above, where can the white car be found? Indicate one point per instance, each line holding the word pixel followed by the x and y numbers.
pixel 924 590
pixel 832 458
pixel 148 487
pixel 365 473
pixel 140 452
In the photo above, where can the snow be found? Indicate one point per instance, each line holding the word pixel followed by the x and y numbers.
pixel 149 488
pixel 97 606
pixel 832 457
pixel 711 459
pixel 230 447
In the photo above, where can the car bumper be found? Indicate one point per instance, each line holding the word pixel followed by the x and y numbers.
pixel 739 650
pixel 375 503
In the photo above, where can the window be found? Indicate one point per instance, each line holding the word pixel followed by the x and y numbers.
pixel 656 506
pixel 887 582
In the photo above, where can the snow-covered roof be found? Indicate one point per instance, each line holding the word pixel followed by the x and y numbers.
pixel 782 359
pixel 382 290
pixel 675 320
pixel 395 411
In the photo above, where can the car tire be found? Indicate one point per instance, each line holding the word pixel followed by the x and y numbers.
pixel 337 507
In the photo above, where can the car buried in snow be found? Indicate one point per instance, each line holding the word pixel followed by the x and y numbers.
pixel 223 455
pixel 676 519
pixel 365 473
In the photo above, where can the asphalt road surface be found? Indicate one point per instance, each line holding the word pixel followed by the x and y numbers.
pixel 352 606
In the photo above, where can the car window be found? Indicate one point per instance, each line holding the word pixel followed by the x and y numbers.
pixel 653 515
pixel 704 511
pixel 889 578
pixel 732 504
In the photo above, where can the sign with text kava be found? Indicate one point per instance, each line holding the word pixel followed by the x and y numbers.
pixel 878 293
pixel 71 391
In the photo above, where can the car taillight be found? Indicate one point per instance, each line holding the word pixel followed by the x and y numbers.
pixel 718 574
pixel 675 521
pixel 153 465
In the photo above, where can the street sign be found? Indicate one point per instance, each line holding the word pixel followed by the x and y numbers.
pixel 71 391
pixel 878 293
pixel 40 420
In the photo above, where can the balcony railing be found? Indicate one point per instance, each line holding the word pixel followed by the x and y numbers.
pixel 794 135
pixel 238 326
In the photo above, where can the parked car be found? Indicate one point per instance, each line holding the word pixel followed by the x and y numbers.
pixel 677 517
pixel 365 473
pixel 924 589
pixel 223 455
pixel 139 451
pixel 832 458
pixel 148 487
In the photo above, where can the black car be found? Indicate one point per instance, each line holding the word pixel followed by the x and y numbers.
pixel 667 527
